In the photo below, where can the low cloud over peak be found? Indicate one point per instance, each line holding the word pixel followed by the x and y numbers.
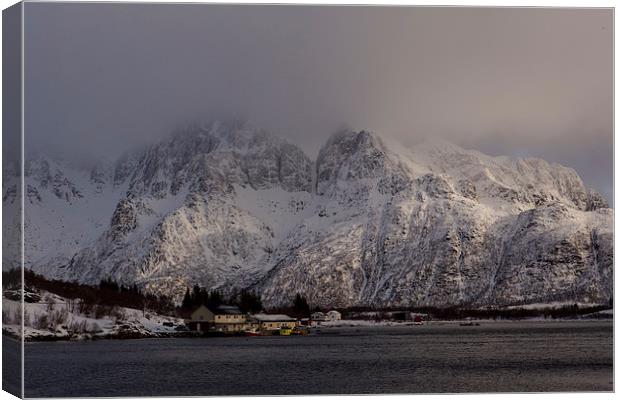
pixel 521 82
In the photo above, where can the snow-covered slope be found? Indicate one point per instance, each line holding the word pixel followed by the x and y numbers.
pixel 440 225
pixel 11 214
pixel 206 206
pixel 52 317
pixel 229 206
pixel 65 209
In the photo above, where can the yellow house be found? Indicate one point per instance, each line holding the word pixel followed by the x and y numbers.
pixel 271 322
pixel 223 318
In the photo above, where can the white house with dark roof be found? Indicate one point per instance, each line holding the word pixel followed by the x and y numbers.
pixel 224 318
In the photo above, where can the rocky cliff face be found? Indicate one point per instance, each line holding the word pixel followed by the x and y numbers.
pixel 440 225
pixel 368 223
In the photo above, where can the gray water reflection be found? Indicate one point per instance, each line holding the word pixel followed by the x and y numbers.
pixel 493 357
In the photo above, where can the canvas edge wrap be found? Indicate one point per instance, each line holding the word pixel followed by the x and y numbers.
pixel 12 185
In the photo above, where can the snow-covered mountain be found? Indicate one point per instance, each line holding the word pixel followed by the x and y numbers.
pixel 369 222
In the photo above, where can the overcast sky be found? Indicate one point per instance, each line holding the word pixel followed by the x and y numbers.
pixel 520 82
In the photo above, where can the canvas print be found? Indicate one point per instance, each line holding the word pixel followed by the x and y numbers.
pixel 210 200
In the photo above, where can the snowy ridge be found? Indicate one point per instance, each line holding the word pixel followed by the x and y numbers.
pixel 228 206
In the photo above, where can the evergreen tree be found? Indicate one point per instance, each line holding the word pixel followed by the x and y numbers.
pixel 108 284
pixel 214 299
pixel 300 306
pixel 249 302
pixel 187 301
pixel 196 296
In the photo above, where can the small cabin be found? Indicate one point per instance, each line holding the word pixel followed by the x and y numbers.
pixel 333 315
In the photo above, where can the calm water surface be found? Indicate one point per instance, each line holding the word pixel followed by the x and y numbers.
pixel 493 357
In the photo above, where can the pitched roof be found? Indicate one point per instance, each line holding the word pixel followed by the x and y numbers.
pixel 227 309
pixel 223 309
pixel 199 307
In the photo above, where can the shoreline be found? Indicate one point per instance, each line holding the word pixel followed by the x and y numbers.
pixel 314 331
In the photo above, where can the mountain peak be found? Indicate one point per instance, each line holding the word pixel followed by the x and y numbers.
pixel 212 156
pixel 351 140
pixel 352 156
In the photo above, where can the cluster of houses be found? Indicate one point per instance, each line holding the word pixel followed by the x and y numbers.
pixel 318 317
pixel 228 318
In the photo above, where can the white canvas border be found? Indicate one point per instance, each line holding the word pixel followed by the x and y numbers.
pixel 478 3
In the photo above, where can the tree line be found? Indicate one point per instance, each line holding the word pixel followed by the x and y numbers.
pixel 107 293
pixel 110 293
pixel 246 300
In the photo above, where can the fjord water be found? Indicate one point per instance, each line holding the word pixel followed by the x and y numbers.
pixel 437 358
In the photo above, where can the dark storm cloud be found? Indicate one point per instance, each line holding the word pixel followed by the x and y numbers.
pixel 524 82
